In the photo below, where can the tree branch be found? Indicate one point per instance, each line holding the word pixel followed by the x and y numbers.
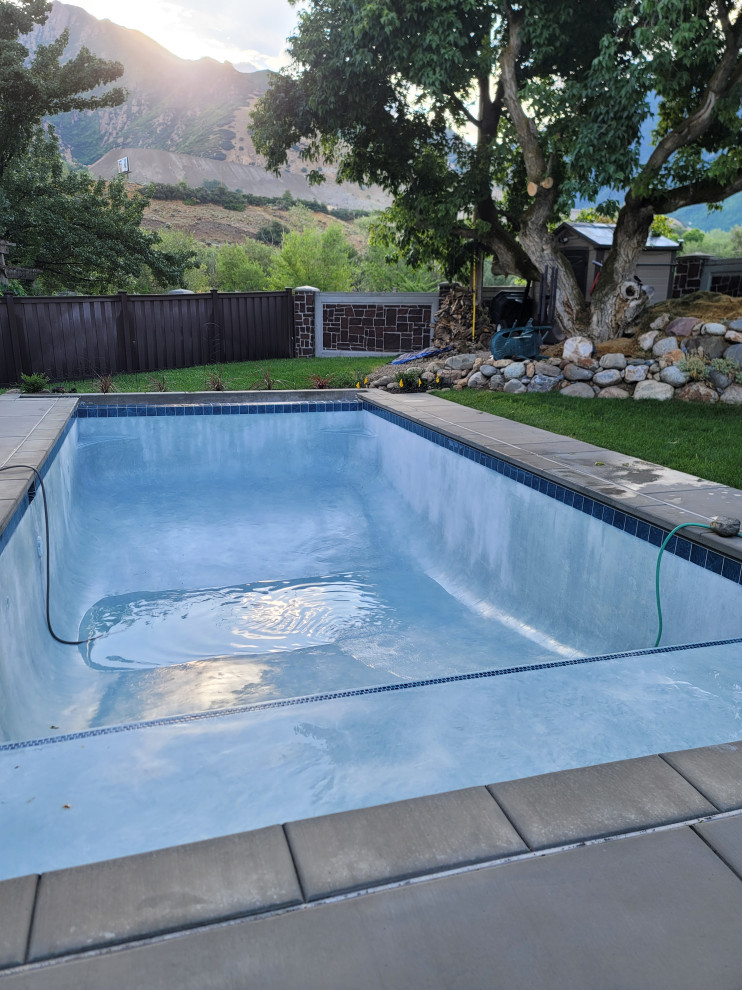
pixel 462 108
pixel 524 126
pixel 696 192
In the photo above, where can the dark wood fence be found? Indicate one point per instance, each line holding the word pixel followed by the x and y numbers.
pixel 72 337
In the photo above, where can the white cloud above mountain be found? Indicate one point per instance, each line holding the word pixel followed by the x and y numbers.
pixel 252 33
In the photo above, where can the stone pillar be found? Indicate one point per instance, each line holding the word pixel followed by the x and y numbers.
pixel 305 299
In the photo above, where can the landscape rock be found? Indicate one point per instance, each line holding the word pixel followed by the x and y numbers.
pixel 577 347
pixel 713 329
pixel 697 392
pixel 580 390
pixel 732 396
pixel 543 383
pixel 613 392
pixel 575 374
pixel 735 325
pixel 478 380
pixel 604 379
pixel 673 376
pixel 461 362
pixel 496 382
pixel 672 357
pixel 683 326
pixel 654 390
pixel 617 361
pixel 502 363
pixel 544 368
pixel 636 373
pixel 711 347
pixel 660 322
pixel 514 387
pixel 515 370
pixel 488 370
pixel 647 340
pixel 664 345
pixel 724 525
pixel 718 380
pixel 734 353
pixel 733 336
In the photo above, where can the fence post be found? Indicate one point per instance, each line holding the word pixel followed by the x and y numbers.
pixel 17 340
pixel 124 357
pixel 216 328
pixel 290 321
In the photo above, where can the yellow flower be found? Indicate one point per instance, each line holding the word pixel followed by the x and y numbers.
pixel 419 383
pixel 358 384
pixel 365 380
pixel 401 383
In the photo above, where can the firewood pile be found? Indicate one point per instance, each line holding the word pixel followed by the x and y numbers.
pixel 453 322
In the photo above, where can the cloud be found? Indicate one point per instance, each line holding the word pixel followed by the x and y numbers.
pixel 235 31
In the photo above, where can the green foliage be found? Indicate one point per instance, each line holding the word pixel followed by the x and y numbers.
pixel 243 267
pixel 38 382
pixel 728 367
pixel 695 367
pixel 33 88
pixel 216 192
pixel 313 257
pixel 84 235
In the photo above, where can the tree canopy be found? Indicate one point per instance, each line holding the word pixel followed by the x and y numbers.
pixel 486 118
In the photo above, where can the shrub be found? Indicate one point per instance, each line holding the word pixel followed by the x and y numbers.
pixel 38 382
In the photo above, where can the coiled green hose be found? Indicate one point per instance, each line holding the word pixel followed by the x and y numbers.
pixel 657 574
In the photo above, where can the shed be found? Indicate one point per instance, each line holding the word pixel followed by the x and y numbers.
pixel 583 244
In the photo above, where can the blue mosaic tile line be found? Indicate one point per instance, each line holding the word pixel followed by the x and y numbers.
pixel 357 693
pixel 102 411
pixel 710 560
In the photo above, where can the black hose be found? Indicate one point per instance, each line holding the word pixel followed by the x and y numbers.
pixel 40 483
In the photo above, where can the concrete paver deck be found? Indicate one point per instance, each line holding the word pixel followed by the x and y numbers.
pixel 467 889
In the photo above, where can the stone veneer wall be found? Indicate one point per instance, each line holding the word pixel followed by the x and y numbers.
pixel 698 272
pixel 371 323
pixel 688 274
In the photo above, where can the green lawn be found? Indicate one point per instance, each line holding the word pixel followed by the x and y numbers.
pixel 698 439
pixel 282 373
pixel 702 440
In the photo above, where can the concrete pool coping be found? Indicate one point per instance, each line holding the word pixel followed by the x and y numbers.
pixel 624 874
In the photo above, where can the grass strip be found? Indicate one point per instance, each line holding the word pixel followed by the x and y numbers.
pixel 281 373
pixel 702 440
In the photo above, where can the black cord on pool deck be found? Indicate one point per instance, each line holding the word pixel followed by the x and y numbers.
pixel 40 483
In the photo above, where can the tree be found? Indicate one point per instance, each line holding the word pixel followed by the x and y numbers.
pixel 563 88
pixel 320 258
pixel 243 267
pixel 385 90
pixel 677 63
pixel 84 235
pixel 31 89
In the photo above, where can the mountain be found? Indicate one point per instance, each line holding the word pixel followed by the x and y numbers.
pixel 195 108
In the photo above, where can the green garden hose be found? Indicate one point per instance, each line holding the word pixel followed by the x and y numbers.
pixel 657 574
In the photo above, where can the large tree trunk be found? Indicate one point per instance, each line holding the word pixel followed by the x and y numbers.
pixel 570 310
pixel 618 298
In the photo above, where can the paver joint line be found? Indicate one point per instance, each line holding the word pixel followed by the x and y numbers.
pixel 505 812
pixel 687 779
pixel 714 850
pixel 32 919
pixel 294 863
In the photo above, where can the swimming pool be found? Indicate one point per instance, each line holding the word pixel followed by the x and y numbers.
pixel 317 608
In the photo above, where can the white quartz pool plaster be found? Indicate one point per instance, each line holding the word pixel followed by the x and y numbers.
pixel 653 909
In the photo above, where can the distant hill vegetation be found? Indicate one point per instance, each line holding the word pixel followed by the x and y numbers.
pixel 173 104
pixel 730 215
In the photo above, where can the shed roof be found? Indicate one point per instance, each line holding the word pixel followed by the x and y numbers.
pixel 601 234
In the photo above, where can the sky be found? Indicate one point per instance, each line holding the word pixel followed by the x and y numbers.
pixel 253 31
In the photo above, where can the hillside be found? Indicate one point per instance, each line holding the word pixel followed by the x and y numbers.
pixel 149 165
pixel 176 108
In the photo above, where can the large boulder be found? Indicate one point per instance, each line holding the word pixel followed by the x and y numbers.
pixel 673 376
pixel 636 373
pixel 514 387
pixel 478 380
pixel 461 362
pixel 577 347
pixel 647 340
pixel 544 368
pixel 732 396
pixel 515 370
pixel 683 326
pixel 712 347
pixel 580 390
pixel 713 329
pixel 611 376
pixel 654 390
pixel 734 353
pixel 543 383
pixel 573 373
pixel 617 361
pixel 612 392
pixel 697 392
pixel 664 345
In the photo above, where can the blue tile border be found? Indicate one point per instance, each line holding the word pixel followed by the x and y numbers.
pixel 95 410
pixel 710 560
pixel 110 730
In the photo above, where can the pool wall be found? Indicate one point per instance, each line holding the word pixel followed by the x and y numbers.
pixel 510 547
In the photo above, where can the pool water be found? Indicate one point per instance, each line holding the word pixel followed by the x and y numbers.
pixel 299 614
